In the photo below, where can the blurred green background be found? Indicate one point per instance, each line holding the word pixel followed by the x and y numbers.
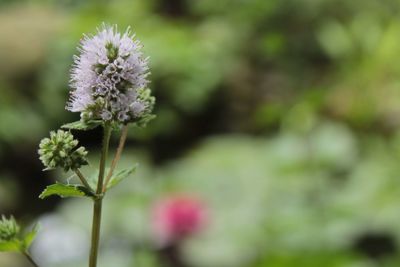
pixel 282 116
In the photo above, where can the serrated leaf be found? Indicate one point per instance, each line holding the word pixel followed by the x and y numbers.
pixel 30 236
pixel 64 190
pixel 121 175
pixel 82 125
pixel 10 246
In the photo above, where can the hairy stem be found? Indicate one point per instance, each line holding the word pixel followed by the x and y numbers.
pixel 28 256
pixel 117 156
pixel 98 201
pixel 83 180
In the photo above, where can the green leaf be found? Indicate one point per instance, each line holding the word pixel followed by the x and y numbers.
pixel 82 125
pixel 117 178
pixel 64 190
pixel 30 236
pixel 144 120
pixel 10 246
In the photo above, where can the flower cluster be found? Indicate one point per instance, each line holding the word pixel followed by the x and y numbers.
pixel 9 229
pixel 108 78
pixel 60 151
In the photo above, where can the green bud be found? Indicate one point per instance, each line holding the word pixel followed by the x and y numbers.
pixel 60 151
pixel 63 154
pixel 93 111
pixel 9 229
pixel 144 95
pixel 112 52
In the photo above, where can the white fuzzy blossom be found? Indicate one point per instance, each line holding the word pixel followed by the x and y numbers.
pixel 109 78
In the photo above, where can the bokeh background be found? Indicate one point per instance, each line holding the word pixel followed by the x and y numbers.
pixel 281 116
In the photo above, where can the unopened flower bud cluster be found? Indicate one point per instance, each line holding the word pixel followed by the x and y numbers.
pixel 9 229
pixel 60 150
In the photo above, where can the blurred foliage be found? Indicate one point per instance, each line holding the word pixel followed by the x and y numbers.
pixel 281 115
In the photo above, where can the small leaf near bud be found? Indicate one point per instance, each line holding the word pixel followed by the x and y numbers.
pixel 118 177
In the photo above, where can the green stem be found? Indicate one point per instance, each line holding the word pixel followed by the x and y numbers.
pixel 98 201
pixel 28 256
pixel 95 232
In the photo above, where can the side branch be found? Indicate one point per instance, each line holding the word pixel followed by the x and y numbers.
pixel 117 156
pixel 83 180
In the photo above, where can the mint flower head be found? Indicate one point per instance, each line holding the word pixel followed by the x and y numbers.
pixel 60 150
pixel 109 78
pixel 9 229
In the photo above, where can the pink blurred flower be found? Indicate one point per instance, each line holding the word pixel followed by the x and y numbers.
pixel 177 217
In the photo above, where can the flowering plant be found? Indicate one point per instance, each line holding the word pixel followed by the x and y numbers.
pixel 109 89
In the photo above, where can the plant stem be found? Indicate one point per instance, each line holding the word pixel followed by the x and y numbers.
pixel 95 232
pixel 83 180
pixel 98 201
pixel 28 256
pixel 117 156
